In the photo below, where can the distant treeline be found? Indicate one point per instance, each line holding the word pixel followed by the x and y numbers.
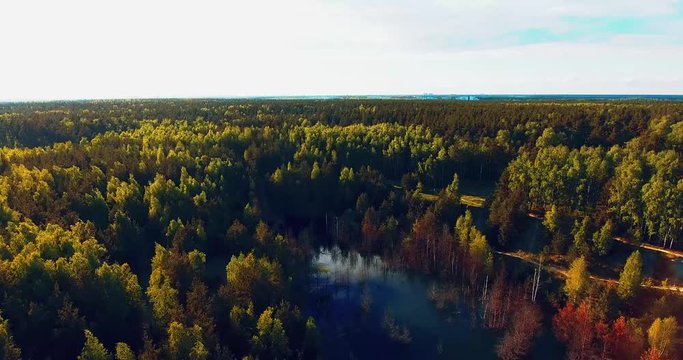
pixel 583 122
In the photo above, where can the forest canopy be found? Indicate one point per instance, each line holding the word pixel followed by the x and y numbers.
pixel 184 229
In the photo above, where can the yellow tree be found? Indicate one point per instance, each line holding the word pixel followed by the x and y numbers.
pixel 661 335
pixel 577 279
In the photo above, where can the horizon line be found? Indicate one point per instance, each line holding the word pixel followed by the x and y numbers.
pixel 421 96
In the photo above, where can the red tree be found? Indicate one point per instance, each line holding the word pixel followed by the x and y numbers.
pixel 622 341
pixel 574 327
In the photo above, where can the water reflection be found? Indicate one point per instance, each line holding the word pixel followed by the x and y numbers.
pixel 365 309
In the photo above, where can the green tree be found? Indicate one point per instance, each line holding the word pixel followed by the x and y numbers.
pixel 315 172
pixel 453 189
pixel 185 343
pixel 270 342
pixel 162 294
pixel 577 279
pixel 580 232
pixel 199 310
pixel 552 219
pixel 508 207
pixel 480 252
pixel 346 175
pixel 602 239
pixel 8 350
pixel 676 135
pixel 123 352
pixel 548 138
pixel 631 276
pixel 625 194
pixel 242 322
pixel 311 346
pixel 252 279
pixel 463 227
pixel 93 349
pixel 662 209
pixel 277 177
pixel 119 298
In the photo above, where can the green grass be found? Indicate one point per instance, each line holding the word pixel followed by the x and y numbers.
pixel 472 200
pixel 427 197
pixel 474 193
pixel 469 200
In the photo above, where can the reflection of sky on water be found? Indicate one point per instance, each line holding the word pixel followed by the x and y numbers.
pixel 348 331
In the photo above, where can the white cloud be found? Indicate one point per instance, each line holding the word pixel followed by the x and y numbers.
pixel 86 49
pixel 567 7
pixel 613 7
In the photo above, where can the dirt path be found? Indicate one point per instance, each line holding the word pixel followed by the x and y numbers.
pixel 668 252
pixel 561 272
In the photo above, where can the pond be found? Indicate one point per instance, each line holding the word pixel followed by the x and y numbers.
pixel 364 309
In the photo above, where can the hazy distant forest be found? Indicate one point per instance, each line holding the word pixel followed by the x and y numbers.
pixel 184 229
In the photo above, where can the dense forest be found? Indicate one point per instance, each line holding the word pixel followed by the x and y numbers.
pixel 185 229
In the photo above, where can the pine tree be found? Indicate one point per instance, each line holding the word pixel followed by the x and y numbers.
pixel 631 276
pixel 602 239
pixel 453 189
pixel 315 172
pixel 311 340
pixel 123 352
pixel 580 232
pixel 270 341
pixel 8 350
pixel 93 349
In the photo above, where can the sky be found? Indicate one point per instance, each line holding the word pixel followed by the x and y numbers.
pixel 85 49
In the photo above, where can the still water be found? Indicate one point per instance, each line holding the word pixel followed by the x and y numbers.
pixel 356 298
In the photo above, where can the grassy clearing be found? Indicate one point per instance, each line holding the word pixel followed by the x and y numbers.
pixel 472 200
pixel 469 200
pixel 427 197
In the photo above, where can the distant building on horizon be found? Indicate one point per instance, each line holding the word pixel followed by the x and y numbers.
pixel 467 98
